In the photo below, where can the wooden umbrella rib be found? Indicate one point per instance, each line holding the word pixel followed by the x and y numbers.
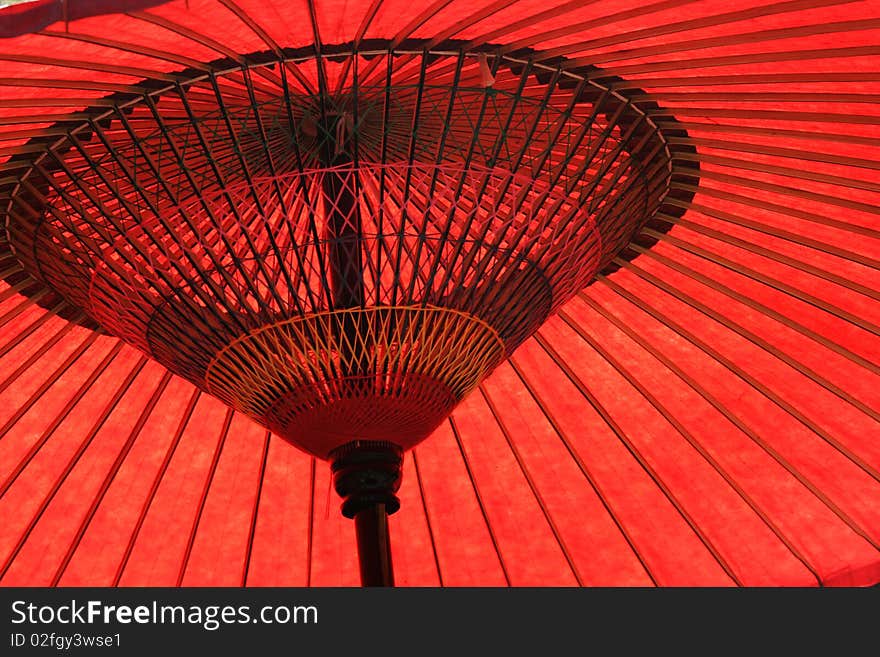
pixel 267 39
pixel 89 192
pixel 13 290
pixel 252 531
pixel 479 498
pixel 781 286
pixel 317 46
pixel 767 280
pixel 210 213
pixel 516 25
pixel 750 79
pixel 33 357
pixel 187 33
pixel 433 268
pixel 145 414
pixel 310 538
pixel 123 199
pixel 23 119
pixel 424 502
pixel 125 46
pixel 782 234
pixel 774 169
pixel 727 323
pixel 766 345
pixel 417 21
pixel 631 70
pixel 75 104
pixel 245 18
pixel 625 440
pixel 23 305
pixel 31 328
pixel 766 310
pixel 608 160
pixel 748 97
pixel 370 14
pixel 551 84
pixel 536 493
pixel 770 254
pixel 733 418
pixel 201 39
pixel 59 417
pixel 35 133
pixel 8 264
pixel 60 83
pixel 745 38
pixel 234 207
pixel 146 197
pixel 411 150
pixel 88 65
pixel 837 118
pixel 584 27
pixel 367 20
pixel 626 36
pixel 674 422
pixel 464 23
pixel 785 210
pixel 777 151
pixel 279 195
pixel 784 190
pixel 62 477
pixel 585 471
pixel 157 480
pixel 209 478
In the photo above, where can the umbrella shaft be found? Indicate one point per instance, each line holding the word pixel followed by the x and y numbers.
pixel 374 546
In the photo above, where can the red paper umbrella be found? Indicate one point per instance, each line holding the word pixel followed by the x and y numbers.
pixel 586 290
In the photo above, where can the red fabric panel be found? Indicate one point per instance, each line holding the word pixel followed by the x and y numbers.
pixel 101 551
pixel 34 16
pixel 465 549
pixel 48 541
pixel 791 440
pixel 411 539
pixel 281 540
pixel 596 543
pixel 650 518
pixel 161 545
pixel 220 547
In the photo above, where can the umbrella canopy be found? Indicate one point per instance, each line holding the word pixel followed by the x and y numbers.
pixel 643 274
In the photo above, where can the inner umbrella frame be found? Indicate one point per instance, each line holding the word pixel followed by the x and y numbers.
pixel 359 466
pixel 93 122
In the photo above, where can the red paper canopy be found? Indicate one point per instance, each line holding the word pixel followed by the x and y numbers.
pixel 704 413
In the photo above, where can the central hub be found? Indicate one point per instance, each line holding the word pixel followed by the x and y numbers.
pixel 342 249
pixel 357 374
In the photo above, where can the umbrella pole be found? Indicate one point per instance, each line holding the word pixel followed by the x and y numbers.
pixel 366 474
pixel 374 546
